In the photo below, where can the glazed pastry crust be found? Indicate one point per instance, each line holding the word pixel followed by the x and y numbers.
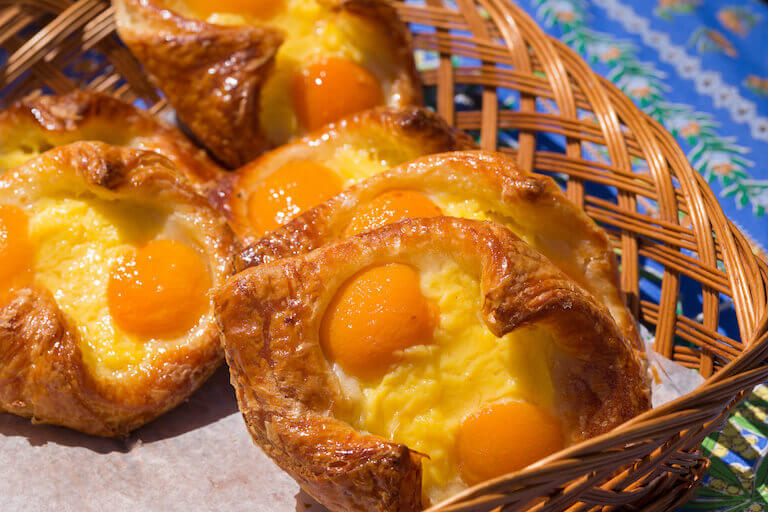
pixel 43 374
pixel 409 131
pixel 269 316
pixel 213 74
pixel 46 122
pixel 532 206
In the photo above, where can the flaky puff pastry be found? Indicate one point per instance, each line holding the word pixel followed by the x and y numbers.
pixel 220 74
pixel 481 185
pixel 32 126
pixel 49 369
pixel 367 142
pixel 270 318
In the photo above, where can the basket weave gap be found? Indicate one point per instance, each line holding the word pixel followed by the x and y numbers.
pixel 489 101
pixel 441 17
pixel 15 21
pixel 444 82
pixel 550 159
pixel 698 335
pixel 35 49
pixel 614 219
pixel 677 261
pixel 44 71
pixel 644 225
pixel 712 339
pixel 507 78
pixel 658 224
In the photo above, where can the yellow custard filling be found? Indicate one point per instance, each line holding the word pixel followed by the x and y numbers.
pixel 14 158
pixel 311 32
pixel 354 164
pixel 422 400
pixel 77 244
pixel 18 145
pixel 272 199
pixel 25 144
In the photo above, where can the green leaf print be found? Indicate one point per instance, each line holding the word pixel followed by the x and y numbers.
pixel 716 157
pixel 721 470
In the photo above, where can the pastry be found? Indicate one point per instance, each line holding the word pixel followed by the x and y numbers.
pixel 471 184
pixel 274 188
pixel 32 126
pixel 389 370
pixel 247 76
pixel 107 258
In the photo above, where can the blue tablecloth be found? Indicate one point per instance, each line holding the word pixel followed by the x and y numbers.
pixel 701 69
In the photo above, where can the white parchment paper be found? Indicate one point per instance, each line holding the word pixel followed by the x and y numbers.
pixel 198 457
pixel 669 380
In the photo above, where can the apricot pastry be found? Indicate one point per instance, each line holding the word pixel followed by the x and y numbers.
pixel 470 184
pixel 248 76
pixel 107 259
pixel 32 126
pixel 389 370
pixel 276 187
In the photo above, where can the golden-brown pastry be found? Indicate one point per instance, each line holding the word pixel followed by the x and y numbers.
pixel 471 184
pixel 107 260
pixel 32 126
pixel 391 369
pixel 282 183
pixel 247 76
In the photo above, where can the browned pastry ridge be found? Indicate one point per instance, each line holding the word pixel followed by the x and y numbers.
pixel 531 206
pixel 270 315
pixel 32 126
pixel 44 374
pixel 213 75
pixel 391 135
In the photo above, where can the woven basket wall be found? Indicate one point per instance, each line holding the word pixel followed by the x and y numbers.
pixel 664 213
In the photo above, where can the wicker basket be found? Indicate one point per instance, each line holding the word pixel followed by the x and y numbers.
pixel 653 462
